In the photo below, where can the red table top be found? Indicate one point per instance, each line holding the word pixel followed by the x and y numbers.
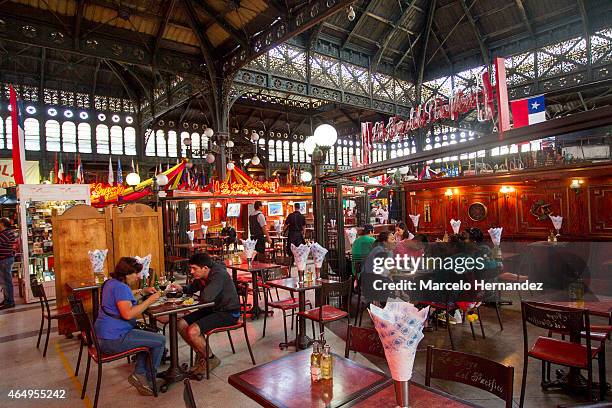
pixel 602 307
pixel 255 266
pixel 293 285
pixel 420 397
pixel 286 382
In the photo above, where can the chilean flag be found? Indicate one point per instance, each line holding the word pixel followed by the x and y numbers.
pixel 18 137
pixel 528 111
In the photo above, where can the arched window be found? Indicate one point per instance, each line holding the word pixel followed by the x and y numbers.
pixel 1 133
pixel 271 155
pixel 294 152
pixel 84 137
pixel 394 153
pixel 262 143
pixel 195 144
pixel 172 143
pixel 339 157
pixel 406 151
pixel 279 150
pixel 184 135
pixel 9 133
pixel 160 143
pixel 302 153
pixel 347 156
pixel 286 151
pixel 32 132
pixel 116 140
pixel 129 138
pixel 150 142
pixel 102 141
pixel 205 142
pixel 332 157
pixel 52 133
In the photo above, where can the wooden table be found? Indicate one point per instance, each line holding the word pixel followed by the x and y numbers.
pixel 254 268
pixel 88 285
pixel 286 382
pixel 175 372
pixel 421 396
pixel 191 247
pixel 293 285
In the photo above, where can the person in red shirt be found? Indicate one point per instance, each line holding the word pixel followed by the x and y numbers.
pixel 8 237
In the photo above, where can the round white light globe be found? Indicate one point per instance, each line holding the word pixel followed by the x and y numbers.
pixel 230 166
pixel 210 158
pixel 404 170
pixel 309 145
pixel 132 179
pixel 230 143
pixel 209 132
pixel 306 176
pixel 254 136
pixel 161 179
pixel 325 135
pixel 255 160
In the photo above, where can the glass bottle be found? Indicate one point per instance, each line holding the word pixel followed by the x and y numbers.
pixel 327 368
pixel 315 363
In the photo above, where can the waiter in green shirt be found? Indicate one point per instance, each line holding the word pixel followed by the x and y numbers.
pixel 363 245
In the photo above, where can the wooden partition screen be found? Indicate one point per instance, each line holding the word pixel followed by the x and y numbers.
pixel 78 230
pixel 138 231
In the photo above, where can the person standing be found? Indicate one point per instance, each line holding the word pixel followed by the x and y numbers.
pixel 294 227
pixel 259 230
pixel 8 237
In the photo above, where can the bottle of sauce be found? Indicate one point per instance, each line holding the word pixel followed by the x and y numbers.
pixel 327 368
pixel 315 363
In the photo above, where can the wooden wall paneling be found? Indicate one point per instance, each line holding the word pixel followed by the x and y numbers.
pixel 530 224
pixel 77 231
pixel 138 231
pixel 436 205
pixel 600 208
pixel 489 199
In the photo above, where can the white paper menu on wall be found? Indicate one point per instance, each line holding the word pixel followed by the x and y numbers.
pixel 32 174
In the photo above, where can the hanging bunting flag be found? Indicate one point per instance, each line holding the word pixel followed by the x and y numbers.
pixel 60 172
pixel 80 177
pixel 18 137
pixel 55 180
pixel 111 176
pixel 366 141
pixel 133 168
pixel 119 172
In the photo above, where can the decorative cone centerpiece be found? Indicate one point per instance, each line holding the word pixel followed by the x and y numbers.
pixel 145 261
pixel 191 236
pixel 249 249
pixel 300 256
pixel 97 258
pixel 318 255
pixel 351 235
pixel 400 328
pixel 557 221
pixel 204 230
pixel 496 234
pixel 455 225
pixel 415 221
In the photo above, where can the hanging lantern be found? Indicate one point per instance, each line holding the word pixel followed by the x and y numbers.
pixel 255 160
pixel 210 158
pixel 230 166
pixel 254 137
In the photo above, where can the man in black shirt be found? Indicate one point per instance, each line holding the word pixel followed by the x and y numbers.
pixel 215 285
pixel 294 227
pixel 7 257
pixel 259 230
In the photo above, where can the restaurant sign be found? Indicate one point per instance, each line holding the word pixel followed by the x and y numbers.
pixel 437 109
pixel 243 189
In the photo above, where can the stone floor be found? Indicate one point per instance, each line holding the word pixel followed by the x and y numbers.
pixel 22 365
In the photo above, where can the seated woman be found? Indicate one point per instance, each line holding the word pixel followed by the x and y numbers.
pixel 411 247
pixel 115 326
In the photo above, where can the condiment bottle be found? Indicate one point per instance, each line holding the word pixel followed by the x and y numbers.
pixel 327 368
pixel 315 363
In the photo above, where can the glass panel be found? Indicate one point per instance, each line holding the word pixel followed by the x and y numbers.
pixel 271 155
pixel 160 143
pixel 184 135
pixel 102 143
pixel 279 151
pixel 32 132
pixel 150 142
pixel 195 144
pixel 9 133
pixel 84 137
pixel 129 138
pixel 286 151
pixel 52 135
pixel 116 140
pixel 294 152
pixel 302 153
pixel 1 133
pixel 172 143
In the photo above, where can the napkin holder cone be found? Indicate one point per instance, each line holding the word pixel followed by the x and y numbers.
pixel 402 393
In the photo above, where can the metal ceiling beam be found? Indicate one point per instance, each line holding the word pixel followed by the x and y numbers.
pixel 163 24
pixel 521 7
pixel 408 51
pixel 389 34
pixel 483 48
pixel 78 19
pixel 221 22
pixel 124 83
pixel 390 23
pixel 434 32
pixel 430 17
pixel 205 46
pixel 361 18
pixel 300 20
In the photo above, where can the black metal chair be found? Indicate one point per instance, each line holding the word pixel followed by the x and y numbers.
pixel 325 313
pixel 93 348
pixel 188 395
pixel 39 291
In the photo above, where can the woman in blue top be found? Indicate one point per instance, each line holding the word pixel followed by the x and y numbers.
pixel 115 326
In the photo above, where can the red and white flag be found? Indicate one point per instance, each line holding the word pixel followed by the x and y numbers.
pixel 80 176
pixel 111 175
pixel 528 111
pixel 18 138
pixel 366 141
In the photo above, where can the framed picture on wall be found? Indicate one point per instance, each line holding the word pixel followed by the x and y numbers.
pixel 233 209
pixel 275 209
pixel 193 215
pixel 206 216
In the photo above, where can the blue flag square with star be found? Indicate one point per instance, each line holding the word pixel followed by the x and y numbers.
pixel 536 104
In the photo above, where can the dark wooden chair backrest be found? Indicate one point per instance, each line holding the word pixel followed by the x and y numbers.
pixel 476 371
pixel 38 290
pixel 364 340
pixel 83 323
pixel 188 395
pixel 342 290
pixel 243 292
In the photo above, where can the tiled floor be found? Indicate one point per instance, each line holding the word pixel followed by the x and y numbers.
pixel 22 365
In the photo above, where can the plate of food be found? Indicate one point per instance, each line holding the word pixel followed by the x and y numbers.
pixel 189 301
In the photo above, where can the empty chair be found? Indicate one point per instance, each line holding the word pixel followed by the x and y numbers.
pixel 476 371
pixel 327 313
pixel 363 340
pixel 46 314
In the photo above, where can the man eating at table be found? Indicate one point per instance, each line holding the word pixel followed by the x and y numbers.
pixel 215 285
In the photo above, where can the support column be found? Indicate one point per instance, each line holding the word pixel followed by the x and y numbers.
pixel 318 160
pixel 221 160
